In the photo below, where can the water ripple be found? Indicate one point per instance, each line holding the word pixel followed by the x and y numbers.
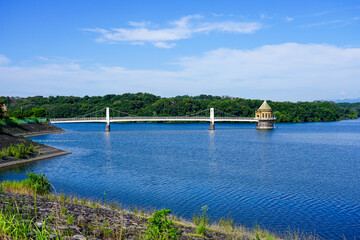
pixel 299 176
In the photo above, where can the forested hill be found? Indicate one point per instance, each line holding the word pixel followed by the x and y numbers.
pixel 145 104
pixel 352 106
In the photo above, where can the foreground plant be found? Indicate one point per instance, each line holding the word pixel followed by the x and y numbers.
pixel 15 225
pixel 202 221
pixel 159 227
pixel 39 182
pixel 34 183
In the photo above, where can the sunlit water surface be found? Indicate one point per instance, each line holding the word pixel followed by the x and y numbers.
pixel 299 176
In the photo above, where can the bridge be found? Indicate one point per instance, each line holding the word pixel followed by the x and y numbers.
pixel 210 115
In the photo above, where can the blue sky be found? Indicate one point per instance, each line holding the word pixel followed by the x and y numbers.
pixel 277 50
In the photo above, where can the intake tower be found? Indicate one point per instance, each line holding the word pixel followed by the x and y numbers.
pixel 265 117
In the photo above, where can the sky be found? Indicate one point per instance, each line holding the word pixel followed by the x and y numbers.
pixel 276 50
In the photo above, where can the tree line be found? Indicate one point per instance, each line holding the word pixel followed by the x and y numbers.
pixel 145 104
pixel 352 106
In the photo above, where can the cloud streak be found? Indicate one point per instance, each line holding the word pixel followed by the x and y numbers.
pixel 288 71
pixel 183 28
pixel 335 22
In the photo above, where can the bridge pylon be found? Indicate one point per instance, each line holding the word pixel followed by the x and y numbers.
pixel 107 127
pixel 212 119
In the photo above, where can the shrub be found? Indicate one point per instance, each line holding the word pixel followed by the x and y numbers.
pixel 159 227
pixel 39 182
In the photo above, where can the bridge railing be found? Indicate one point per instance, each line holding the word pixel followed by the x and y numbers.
pixel 165 117
pixel 153 118
pixel 76 119
pixel 270 118
pixel 149 117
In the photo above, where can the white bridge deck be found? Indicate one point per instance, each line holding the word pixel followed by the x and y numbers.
pixel 189 118
pixel 154 119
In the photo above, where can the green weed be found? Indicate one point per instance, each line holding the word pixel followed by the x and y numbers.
pixel 227 223
pixel 14 226
pixel 159 227
pixel 19 151
pixel 70 219
pixel 203 221
pixel 63 211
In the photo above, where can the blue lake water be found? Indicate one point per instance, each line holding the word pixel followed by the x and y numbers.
pixel 299 176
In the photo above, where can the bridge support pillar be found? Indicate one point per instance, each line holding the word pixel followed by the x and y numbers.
pixel 212 119
pixel 107 127
pixel 265 125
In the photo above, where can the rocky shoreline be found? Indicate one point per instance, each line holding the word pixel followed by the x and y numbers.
pixel 16 133
pixel 81 221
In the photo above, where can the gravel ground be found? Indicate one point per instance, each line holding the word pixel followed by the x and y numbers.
pixel 97 222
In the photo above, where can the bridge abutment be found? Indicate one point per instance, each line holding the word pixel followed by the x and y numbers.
pixel 212 126
pixel 107 128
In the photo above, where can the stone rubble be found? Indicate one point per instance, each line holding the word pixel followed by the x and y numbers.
pixel 83 222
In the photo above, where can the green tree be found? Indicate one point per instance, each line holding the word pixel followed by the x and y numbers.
pixel 38 112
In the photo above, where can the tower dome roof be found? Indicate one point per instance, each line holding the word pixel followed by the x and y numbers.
pixel 265 106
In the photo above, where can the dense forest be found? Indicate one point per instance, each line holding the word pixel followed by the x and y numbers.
pixel 352 106
pixel 145 104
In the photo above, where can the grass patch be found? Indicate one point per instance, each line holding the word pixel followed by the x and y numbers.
pixel 14 225
pixel 19 151
pixel 34 183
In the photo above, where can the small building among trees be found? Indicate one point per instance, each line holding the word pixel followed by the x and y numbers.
pixel 4 109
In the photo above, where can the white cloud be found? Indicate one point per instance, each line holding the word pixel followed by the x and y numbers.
pixel 139 24
pixel 4 59
pixel 164 45
pixel 183 28
pixel 289 19
pixel 288 71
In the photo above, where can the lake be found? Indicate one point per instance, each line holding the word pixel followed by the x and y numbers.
pixel 302 176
